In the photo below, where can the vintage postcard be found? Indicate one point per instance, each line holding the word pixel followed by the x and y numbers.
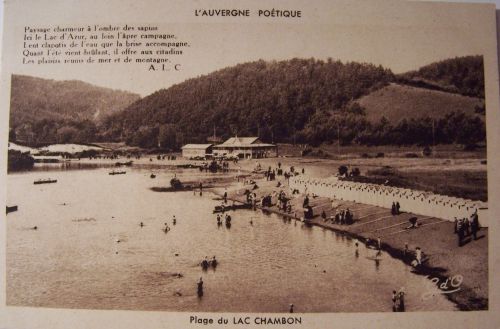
pixel 191 164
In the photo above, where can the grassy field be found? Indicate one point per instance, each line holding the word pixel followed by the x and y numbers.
pixel 396 102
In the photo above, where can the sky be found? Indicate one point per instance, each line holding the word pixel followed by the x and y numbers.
pixel 398 37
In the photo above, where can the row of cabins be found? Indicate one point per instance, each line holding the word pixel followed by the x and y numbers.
pixel 413 201
pixel 240 147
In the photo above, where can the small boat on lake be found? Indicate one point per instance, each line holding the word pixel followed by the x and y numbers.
pixel 11 209
pixel 119 164
pixel 45 181
pixel 117 172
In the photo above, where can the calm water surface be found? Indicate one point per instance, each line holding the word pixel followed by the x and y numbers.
pixel 89 251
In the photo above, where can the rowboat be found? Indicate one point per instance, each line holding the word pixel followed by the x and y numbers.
pixel 45 181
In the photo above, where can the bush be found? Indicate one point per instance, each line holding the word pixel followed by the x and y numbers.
pixel 176 184
pixel 384 171
pixel 411 155
pixel 470 147
pixel 343 170
pixel 427 151
pixel 305 152
pixel 19 161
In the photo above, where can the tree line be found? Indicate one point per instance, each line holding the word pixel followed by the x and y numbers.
pixel 293 101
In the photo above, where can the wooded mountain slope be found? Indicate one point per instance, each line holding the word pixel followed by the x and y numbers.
pixel 34 99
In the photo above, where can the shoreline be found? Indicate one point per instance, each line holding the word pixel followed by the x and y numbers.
pixel 473 294
pixel 466 299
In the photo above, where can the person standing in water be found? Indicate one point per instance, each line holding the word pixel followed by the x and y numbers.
pixel 200 287
pixel 395 301
pixel 174 221
pixel 401 297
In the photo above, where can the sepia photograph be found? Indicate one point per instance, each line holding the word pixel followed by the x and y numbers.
pixel 250 159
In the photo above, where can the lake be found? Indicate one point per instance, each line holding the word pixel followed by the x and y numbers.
pixel 89 251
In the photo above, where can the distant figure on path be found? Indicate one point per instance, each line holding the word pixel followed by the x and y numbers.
pixel 306 201
pixel 174 221
pixel 475 224
pixel 460 228
pixel 418 255
pixel 398 208
pixel 291 308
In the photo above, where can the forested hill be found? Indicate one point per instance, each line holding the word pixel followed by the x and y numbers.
pixel 275 100
pixel 461 75
pixel 41 107
pixel 297 100
pixel 35 98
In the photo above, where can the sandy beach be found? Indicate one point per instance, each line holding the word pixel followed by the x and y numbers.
pixel 443 259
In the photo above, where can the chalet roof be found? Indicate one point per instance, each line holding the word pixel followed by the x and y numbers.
pixel 196 146
pixel 230 146
pixel 241 141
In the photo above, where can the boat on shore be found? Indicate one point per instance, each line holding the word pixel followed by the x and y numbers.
pixel 11 209
pixel 117 172
pixel 45 181
pixel 220 209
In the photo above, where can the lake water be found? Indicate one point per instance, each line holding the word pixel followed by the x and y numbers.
pixel 89 251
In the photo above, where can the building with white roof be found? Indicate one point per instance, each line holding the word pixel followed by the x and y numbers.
pixel 196 150
pixel 245 148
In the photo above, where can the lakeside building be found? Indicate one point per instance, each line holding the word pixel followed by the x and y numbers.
pixel 196 150
pixel 245 148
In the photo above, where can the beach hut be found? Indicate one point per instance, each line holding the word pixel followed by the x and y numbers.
pixel 190 151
